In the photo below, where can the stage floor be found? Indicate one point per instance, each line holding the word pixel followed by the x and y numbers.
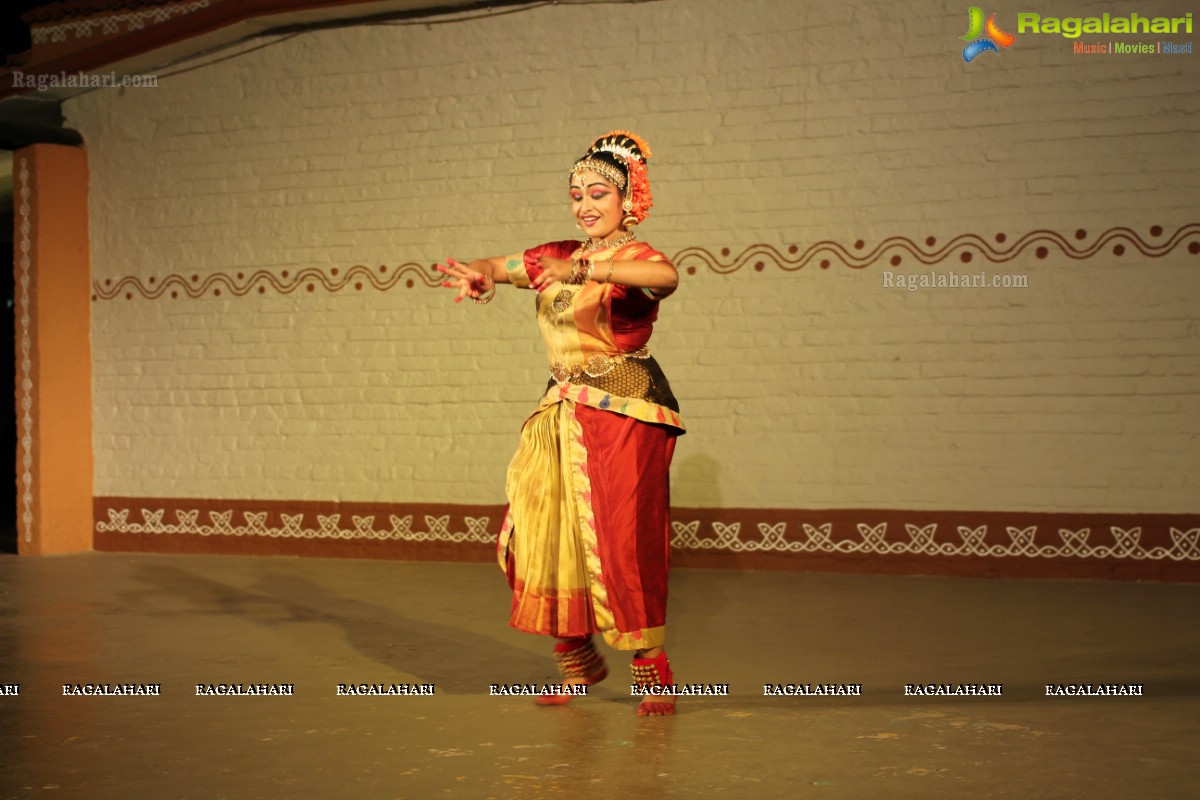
pixel 179 621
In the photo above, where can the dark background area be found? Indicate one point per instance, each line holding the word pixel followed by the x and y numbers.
pixel 14 34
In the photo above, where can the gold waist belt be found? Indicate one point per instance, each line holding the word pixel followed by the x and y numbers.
pixel 596 366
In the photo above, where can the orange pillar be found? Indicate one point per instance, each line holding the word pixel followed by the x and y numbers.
pixel 54 362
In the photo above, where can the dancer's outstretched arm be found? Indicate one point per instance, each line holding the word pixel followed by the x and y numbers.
pixel 480 277
pixel 660 277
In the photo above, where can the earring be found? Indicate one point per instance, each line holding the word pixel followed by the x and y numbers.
pixel 630 220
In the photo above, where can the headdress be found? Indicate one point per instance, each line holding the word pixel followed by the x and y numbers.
pixel 620 158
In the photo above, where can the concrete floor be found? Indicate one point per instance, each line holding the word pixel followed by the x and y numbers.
pixel 183 620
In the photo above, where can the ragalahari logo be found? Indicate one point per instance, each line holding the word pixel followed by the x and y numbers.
pixel 992 39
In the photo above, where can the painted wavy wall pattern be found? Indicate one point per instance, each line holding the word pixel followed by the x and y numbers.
pixel 966 248
pixel 239 284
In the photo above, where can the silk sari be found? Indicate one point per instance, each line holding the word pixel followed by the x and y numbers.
pixel 585 542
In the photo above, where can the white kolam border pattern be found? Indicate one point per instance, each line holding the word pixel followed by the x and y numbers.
pixel 328 526
pixel 818 539
pixel 725 536
pixel 112 24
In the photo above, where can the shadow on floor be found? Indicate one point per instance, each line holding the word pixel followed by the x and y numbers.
pixel 433 650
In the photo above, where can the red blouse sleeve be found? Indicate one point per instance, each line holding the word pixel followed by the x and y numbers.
pixel 634 311
pixel 562 249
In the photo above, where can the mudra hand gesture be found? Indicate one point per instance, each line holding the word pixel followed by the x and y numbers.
pixel 469 282
pixel 554 270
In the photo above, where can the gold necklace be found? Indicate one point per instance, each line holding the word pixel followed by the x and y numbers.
pixel 593 245
pixel 562 300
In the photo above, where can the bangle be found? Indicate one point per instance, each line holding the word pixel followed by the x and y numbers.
pixel 608 278
pixel 581 271
pixel 486 297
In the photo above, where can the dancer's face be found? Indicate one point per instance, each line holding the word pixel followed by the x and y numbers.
pixel 596 205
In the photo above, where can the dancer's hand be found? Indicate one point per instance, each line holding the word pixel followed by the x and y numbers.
pixel 554 270
pixel 467 281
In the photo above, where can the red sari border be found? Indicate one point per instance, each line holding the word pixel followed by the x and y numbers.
pixel 1009 544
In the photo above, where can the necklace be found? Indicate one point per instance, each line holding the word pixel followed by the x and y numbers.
pixel 593 245
pixel 562 300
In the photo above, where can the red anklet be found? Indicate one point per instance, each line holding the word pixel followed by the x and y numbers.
pixel 577 659
pixel 654 672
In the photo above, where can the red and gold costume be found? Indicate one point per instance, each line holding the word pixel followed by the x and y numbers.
pixel 586 540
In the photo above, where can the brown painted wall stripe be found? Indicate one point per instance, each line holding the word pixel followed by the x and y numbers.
pixel 1131 546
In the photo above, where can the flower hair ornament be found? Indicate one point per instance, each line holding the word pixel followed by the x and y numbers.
pixel 620 158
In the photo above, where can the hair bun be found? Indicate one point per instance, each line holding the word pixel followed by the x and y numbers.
pixel 625 144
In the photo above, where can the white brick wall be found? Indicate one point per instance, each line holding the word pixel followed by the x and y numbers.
pixel 776 123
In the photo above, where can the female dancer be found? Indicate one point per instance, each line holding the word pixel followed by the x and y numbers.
pixel 585 542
